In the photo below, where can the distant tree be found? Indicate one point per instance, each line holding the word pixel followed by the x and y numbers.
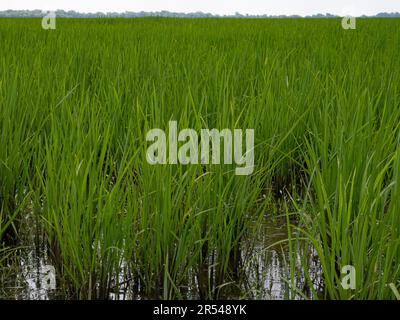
pixel 164 13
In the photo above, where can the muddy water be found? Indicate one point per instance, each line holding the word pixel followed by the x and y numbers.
pixel 29 274
pixel 268 271
pixel 265 272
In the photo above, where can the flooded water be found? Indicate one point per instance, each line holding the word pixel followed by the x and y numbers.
pixel 265 274
pixel 269 273
pixel 30 274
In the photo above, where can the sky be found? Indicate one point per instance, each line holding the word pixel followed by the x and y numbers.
pixel 270 7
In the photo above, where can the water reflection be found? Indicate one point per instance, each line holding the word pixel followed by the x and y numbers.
pixel 265 274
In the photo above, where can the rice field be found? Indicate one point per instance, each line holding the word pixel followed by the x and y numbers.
pixel 77 191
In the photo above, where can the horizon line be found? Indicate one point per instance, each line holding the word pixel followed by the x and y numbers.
pixel 183 14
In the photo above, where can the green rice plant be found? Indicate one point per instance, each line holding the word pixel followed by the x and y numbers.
pixel 353 179
pixel 76 104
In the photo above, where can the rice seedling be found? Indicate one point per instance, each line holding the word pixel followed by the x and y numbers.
pixel 76 104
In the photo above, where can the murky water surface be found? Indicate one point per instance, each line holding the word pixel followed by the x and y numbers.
pixel 265 272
